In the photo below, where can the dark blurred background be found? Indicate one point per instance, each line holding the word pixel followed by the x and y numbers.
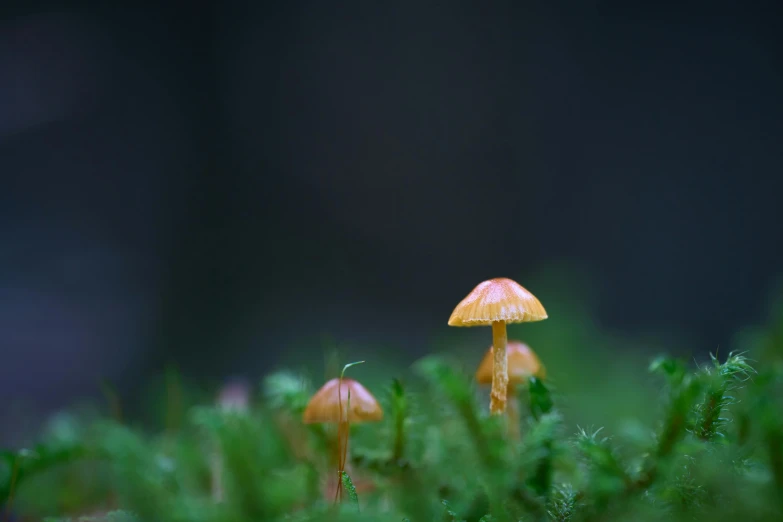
pixel 221 186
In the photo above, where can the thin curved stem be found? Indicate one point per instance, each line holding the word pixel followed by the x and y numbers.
pixel 343 434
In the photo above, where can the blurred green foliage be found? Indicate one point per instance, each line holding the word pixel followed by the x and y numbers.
pixel 610 436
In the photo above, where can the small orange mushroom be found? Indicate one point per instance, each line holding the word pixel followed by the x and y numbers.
pixel 497 302
pixel 330 404
pixel 522 364
pixel 342 401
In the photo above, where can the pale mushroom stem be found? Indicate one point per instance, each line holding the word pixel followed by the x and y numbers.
pixel 343 434
pixel 497 400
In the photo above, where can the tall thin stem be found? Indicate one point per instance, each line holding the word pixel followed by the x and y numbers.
pixel 338 492
pixel 339 453
pixel 343 434
pixel 343 431
pixel 346 434
pixel 497 400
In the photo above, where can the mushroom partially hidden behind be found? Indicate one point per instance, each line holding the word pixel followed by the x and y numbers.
pixel 233 397
pixel 497 302
pixel 522 364
pixel 342 402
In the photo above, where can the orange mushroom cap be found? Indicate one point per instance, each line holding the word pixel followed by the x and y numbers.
pixel 522 364
pixel 324 406
pixel 498 299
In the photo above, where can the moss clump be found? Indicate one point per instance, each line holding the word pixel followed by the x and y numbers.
pixel 438 455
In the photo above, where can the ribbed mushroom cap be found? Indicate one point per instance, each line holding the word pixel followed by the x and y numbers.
pixel 324 406
pixel 522 364
pixel 498 299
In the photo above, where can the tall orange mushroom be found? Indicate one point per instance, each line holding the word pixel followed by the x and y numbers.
pixel 495 303
pixel 342 401
pixel 522 364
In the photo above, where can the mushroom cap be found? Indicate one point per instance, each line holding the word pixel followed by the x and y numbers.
pixel 235 396
pixel 324 406
pixel 498 299
pixel 522 364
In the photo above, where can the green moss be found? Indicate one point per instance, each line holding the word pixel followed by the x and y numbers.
pixel 710 448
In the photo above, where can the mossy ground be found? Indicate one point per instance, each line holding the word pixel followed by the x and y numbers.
pixel 600 441
pixel 716 454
